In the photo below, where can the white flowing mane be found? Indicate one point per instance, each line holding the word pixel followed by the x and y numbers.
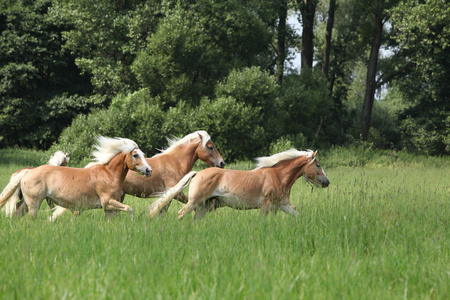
pixel 58 158
pixel 269 161
pixel 175 142
pixel 107 148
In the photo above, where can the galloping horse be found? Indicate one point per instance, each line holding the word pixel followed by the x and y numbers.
pixel 169 167
pixel 16 199
pixel 267 187
pixel 99 186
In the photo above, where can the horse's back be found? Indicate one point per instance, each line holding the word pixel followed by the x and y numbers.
pixel 59 183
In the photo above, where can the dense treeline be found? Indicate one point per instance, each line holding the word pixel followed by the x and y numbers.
pixel 147 69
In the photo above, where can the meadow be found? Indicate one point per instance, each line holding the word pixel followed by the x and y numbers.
pixel 379 231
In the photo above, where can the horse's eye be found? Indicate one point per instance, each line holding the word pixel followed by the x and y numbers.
pixel 318 165
pixel 210 147
pixel 136 155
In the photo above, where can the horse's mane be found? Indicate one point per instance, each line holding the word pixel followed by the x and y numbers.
pixel 175 142
pixel 269 161
pixel 58 158
pixel 107 148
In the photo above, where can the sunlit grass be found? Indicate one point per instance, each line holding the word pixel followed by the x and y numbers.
pixel 379 232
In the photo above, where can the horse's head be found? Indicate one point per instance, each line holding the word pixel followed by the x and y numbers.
pixel 66 159
pixel 314 173
pixel 208 153
pixel 136 161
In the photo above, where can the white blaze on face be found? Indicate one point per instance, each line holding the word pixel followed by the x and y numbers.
pixel 145 166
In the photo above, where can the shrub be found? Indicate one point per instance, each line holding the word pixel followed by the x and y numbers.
pixel 133 117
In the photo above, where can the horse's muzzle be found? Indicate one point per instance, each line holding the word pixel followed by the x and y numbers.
pixel 325 183
pixel 221 164
pixel 148 172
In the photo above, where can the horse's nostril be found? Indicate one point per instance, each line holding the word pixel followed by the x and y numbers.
pixel 222 164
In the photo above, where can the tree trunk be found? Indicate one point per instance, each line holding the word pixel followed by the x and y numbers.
pixel 372 70
pixel 328 33
pixel 308 11
pixel 281 42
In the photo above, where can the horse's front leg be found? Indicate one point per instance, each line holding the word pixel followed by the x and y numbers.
pixel 266 206
pixel 114 205
pixel 289 208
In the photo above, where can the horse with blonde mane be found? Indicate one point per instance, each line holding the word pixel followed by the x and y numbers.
pixel 99 186
pixel 169 167
pixel 59 158
pixel 267 187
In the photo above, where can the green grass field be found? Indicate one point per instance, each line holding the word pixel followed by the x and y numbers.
pixel 378 232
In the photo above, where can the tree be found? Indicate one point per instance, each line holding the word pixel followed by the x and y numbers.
pixel 328 35
pixel 308 11
pixel 198 44
pixel 281 41
pixel 106 36
pixel 423 31
pixel 41 89
pixel 369 96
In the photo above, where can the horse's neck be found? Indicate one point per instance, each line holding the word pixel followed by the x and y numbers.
pixel 183 157
pixel 290 170
pixel 118 166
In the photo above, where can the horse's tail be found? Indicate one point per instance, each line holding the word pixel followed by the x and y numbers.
pixel 168 195
pixel 11 192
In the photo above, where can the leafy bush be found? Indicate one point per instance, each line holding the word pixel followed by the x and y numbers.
pixel 235 128
pixel 306 107
pixel 133 117
pixel 287 142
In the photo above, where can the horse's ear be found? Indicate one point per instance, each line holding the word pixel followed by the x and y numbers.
pixel 200 136
pixel 314 154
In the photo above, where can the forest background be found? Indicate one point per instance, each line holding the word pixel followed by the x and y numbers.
pixel 372 72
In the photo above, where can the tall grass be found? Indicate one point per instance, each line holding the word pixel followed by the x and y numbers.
pixel 379 232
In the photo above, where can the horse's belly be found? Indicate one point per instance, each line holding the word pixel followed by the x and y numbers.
pixel 75 199
pixel 243 202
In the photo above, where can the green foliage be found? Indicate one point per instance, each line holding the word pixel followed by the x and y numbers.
pixel 197 45
pixel 106 36
pixel 305 107
pixel 287 142
pixel 251 86
pixel 423 30
pixel 236 128
pixel 32 71
pixel 134 117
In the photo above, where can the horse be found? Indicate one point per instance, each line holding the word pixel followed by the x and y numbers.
pixel 267 187
pixel 59 158
pixel 99 186
pixel 169 166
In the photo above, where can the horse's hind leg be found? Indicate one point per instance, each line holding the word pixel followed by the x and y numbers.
pixel 21 210
pixel 33 206
pixel 188 208
pixel 165 209
pixel 208 206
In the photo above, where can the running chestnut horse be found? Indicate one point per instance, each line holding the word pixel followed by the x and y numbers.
pixel 100 186
pixel 169 167
pixel 267 187
pixel 16 199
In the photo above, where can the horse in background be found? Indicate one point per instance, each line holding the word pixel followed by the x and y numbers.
pixel 169 167
pixel 59 158
pixel 100 186
pixel 268 187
